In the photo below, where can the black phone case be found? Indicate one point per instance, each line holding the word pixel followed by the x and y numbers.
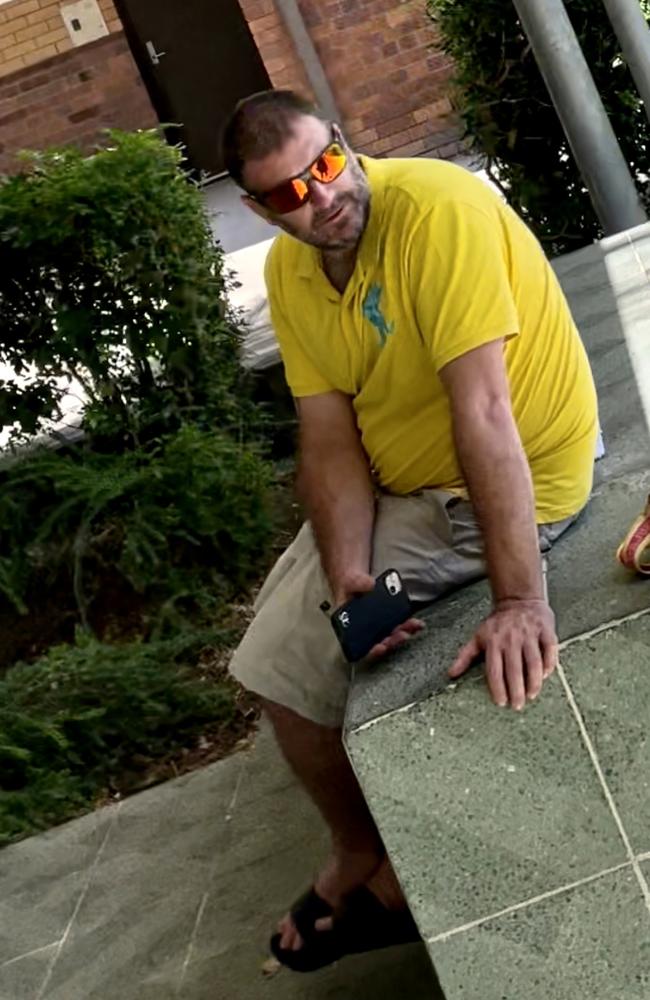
pixel 365 620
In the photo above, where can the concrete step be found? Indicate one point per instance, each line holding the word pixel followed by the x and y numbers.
pixel 521 840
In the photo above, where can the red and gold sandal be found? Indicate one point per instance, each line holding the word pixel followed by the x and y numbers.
pixel 634 550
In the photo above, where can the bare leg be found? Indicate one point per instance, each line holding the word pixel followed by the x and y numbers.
pixel 316 755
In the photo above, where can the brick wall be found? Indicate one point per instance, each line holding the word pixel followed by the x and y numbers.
pixel 70 97
pixel 275 45
pixel 33 30
pixel 389 77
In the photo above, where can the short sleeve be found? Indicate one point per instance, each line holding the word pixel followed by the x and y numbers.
pixel 458 274
pixel 303 378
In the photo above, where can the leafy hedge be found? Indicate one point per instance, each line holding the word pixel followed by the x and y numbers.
pixel 185 515
pixel 109 274
pixel 71 722
pixel 510 119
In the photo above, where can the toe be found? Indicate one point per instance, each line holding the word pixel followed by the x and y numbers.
pixel 290 939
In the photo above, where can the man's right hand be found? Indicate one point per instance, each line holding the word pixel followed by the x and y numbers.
pixel 355 582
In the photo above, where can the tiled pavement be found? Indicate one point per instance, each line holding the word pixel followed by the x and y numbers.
pixel 173 894
pixel 522 841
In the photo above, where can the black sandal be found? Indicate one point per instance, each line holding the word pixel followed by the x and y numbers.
pixel 364 925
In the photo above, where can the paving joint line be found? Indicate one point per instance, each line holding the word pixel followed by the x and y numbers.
pixel 227 817
pixel 28 954
pixel 380 718
pixel 526 903
pixel 191 942
pixel 82 895
pixel 591 750
pixel 605 627
pixel 230 808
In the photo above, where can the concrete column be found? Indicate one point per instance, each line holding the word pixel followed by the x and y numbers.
pixel 295 24
pixel 633 33
pixel 580 109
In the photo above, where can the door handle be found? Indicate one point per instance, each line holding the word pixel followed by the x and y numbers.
pixel 153 55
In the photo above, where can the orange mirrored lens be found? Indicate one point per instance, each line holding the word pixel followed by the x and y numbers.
pixel 287 197
pixel 329 164
pixel 300 188
pixel 292 194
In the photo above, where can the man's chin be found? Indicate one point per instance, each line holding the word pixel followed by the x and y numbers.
pixel 345 240
pixel 340 243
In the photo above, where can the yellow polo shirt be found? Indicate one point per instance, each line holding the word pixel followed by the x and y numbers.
pixel 443 267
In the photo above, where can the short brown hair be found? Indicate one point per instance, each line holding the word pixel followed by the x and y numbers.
pixel 259 125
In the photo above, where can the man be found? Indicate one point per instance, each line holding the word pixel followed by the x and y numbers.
pixel 447 429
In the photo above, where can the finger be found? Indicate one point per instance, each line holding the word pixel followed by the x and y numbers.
pixel 534 668
pixel 397 638
pixel 324 924
pixel 494 675
pixel 513 669
pixel 465 658
pixel 412 626
pixel 359 583
pixel 549 655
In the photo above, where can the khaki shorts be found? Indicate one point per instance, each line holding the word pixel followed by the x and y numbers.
pixel 290 654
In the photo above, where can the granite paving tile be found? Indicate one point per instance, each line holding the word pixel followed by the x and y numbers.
pixel 591 942
pixel 41 879
pixel 587 586
pixel 482 808
pixel 132 930
pixel 21 978
pixel 609 675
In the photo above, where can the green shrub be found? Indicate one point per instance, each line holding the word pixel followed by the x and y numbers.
pixel 510 118
pixel 109 274
pixel 73 721
pixel 186 514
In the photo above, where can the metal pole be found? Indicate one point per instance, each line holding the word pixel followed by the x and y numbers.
pixel 633 33
pixel 580 109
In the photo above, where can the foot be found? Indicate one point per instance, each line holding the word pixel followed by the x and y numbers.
pixel 333 884
pixel 344 872
pixel 384 885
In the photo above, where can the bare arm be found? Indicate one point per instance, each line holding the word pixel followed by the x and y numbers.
pixel 519 637
pixel 496 471
pixel 335 485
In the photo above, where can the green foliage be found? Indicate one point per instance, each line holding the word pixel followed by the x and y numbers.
pixel 510 118
pixel 73 721
pixel 109 274
pixel 188 512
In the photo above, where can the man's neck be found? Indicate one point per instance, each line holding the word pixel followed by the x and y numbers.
pixel 338 266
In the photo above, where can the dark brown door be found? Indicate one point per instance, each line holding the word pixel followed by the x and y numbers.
pixel 198 59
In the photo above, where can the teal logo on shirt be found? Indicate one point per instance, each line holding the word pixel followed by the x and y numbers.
pixel 372 311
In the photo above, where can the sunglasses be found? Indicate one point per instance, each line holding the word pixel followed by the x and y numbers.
pixel 294 193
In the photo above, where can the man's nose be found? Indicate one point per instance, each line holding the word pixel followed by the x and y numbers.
pixel 322 195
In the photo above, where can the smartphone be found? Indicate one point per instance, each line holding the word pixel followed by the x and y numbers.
pixel 365 620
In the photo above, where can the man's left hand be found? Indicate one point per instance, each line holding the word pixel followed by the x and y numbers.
pixel 519 643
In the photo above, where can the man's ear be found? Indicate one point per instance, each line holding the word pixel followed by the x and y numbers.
pixel 257 208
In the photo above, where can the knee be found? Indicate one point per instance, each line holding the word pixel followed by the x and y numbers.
pixel 286 721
